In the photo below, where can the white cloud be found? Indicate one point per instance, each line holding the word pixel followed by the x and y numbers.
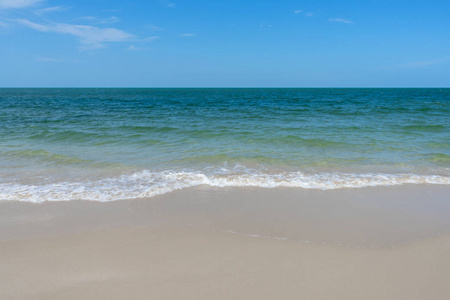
pixel 18 3
pixel 187 34
pixel 150 38
pixel 110 20
pixel 340 20
pixel 90 37
pixel 167 3
pixel 134 48
pixel 426 63
pixel 265 25
pixel 306 14
pixel 50 9
pixel 34 26
pixel 154 28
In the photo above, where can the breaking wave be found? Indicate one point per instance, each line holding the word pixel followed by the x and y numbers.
pixel 148 183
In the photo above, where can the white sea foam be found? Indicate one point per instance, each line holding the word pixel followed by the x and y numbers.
pixel 148 184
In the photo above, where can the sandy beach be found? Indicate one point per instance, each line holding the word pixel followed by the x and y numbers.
pixel 231 244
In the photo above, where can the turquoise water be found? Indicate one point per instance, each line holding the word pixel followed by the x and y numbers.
pixel 109 144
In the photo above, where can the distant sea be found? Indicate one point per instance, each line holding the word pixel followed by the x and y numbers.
pixel 111 144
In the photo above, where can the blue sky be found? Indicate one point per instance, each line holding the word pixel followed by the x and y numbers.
pixel 162 43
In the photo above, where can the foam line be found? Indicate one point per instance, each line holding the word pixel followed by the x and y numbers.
pixel 147 183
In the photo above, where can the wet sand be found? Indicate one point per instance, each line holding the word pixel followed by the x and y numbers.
pixel 371 243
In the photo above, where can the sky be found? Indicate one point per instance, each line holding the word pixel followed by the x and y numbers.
pixel 246 43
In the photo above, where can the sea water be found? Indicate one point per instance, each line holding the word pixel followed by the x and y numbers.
pixel 111 144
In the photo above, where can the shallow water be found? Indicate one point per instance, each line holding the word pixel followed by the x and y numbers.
pixel 108 144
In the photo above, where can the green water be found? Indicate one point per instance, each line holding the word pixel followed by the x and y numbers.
pixel 80 136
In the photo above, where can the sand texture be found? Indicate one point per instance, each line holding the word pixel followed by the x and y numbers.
pixel 233 244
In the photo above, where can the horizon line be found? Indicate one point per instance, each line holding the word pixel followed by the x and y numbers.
pixel 217 87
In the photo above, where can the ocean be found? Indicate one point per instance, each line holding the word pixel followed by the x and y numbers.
pixel 105 144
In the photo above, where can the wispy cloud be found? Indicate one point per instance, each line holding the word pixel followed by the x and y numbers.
pixel 134 48
pixel 306 14
pixel 187 34
pixel 90 37
pixel 154 28
pixel 341 20
pixel 110 20
pixel 137 48
pixel 4 4
pixel 167 3
pixel 425 63
pixel 150 38
pixel 51 9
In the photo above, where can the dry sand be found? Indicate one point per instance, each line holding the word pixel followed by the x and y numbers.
pixel 374 243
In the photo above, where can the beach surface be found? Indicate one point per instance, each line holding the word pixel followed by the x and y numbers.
pixel 233 243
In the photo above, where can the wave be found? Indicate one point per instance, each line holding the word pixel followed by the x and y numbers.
pixel 438 158
pixel 56 159
pixel 425 128
pixel 46 156
pixel 145 184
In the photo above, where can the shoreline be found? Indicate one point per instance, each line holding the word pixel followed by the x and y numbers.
pixel 371 216
pixel 149 184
